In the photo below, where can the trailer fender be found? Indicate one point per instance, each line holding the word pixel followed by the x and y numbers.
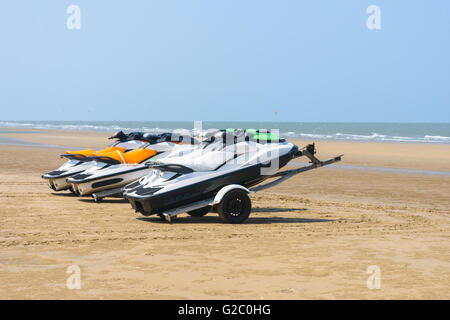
pixel 222 192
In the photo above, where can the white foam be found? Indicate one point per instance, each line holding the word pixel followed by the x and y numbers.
pixel 372 137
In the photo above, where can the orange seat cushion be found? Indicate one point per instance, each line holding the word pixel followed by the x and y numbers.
pixel 135 156
pixel 90 152
pixel 86 152
pixel 109 149
pixel 138 155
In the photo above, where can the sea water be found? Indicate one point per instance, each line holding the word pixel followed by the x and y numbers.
pixel 437 133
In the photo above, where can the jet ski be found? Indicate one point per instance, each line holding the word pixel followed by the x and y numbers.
pixel 198 176
pixel 111 171
pixel 80 160
pixel 102 180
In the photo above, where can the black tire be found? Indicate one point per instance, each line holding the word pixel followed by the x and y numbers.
pixel 235 207
pixel 199 212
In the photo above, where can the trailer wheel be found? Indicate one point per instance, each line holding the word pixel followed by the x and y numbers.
pixel 199 212
pixel 235 207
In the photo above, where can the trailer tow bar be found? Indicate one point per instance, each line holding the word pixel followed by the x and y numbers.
pixel 284 175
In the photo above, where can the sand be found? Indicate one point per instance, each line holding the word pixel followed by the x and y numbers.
pixel 312 237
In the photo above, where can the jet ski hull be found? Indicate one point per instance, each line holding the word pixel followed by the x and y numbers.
pixel 95 183
pixel 58 184
pixel 57 179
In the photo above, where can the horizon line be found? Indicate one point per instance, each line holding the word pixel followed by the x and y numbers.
pixel 237 121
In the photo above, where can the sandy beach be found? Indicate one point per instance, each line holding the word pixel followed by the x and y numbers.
pixel 312 237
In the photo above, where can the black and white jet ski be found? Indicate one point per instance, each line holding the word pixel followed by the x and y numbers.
pixel 216 178
pixel 199 176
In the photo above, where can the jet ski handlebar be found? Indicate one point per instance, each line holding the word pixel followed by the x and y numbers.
pixel 73 156
pixel 151 138
pixel 120 135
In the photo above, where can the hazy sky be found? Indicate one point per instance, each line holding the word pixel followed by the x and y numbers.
pixel 225 60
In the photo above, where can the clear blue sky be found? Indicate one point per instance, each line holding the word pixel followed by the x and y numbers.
pixel 225 60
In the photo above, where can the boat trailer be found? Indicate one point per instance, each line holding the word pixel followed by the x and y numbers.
pixel 217 202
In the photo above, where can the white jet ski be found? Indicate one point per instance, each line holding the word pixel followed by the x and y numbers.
pixel 79 161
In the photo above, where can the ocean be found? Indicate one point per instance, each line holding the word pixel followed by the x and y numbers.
pixel 437 133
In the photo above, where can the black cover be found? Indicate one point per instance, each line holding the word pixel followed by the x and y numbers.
pixel 151 138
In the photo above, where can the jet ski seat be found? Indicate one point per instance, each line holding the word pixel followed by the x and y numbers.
pixel 134 156
pixel 109 149
pixel 86 152
pixel 91 152
pixel 138 155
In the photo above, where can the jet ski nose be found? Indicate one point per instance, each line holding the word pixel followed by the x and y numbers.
pixel 52 174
